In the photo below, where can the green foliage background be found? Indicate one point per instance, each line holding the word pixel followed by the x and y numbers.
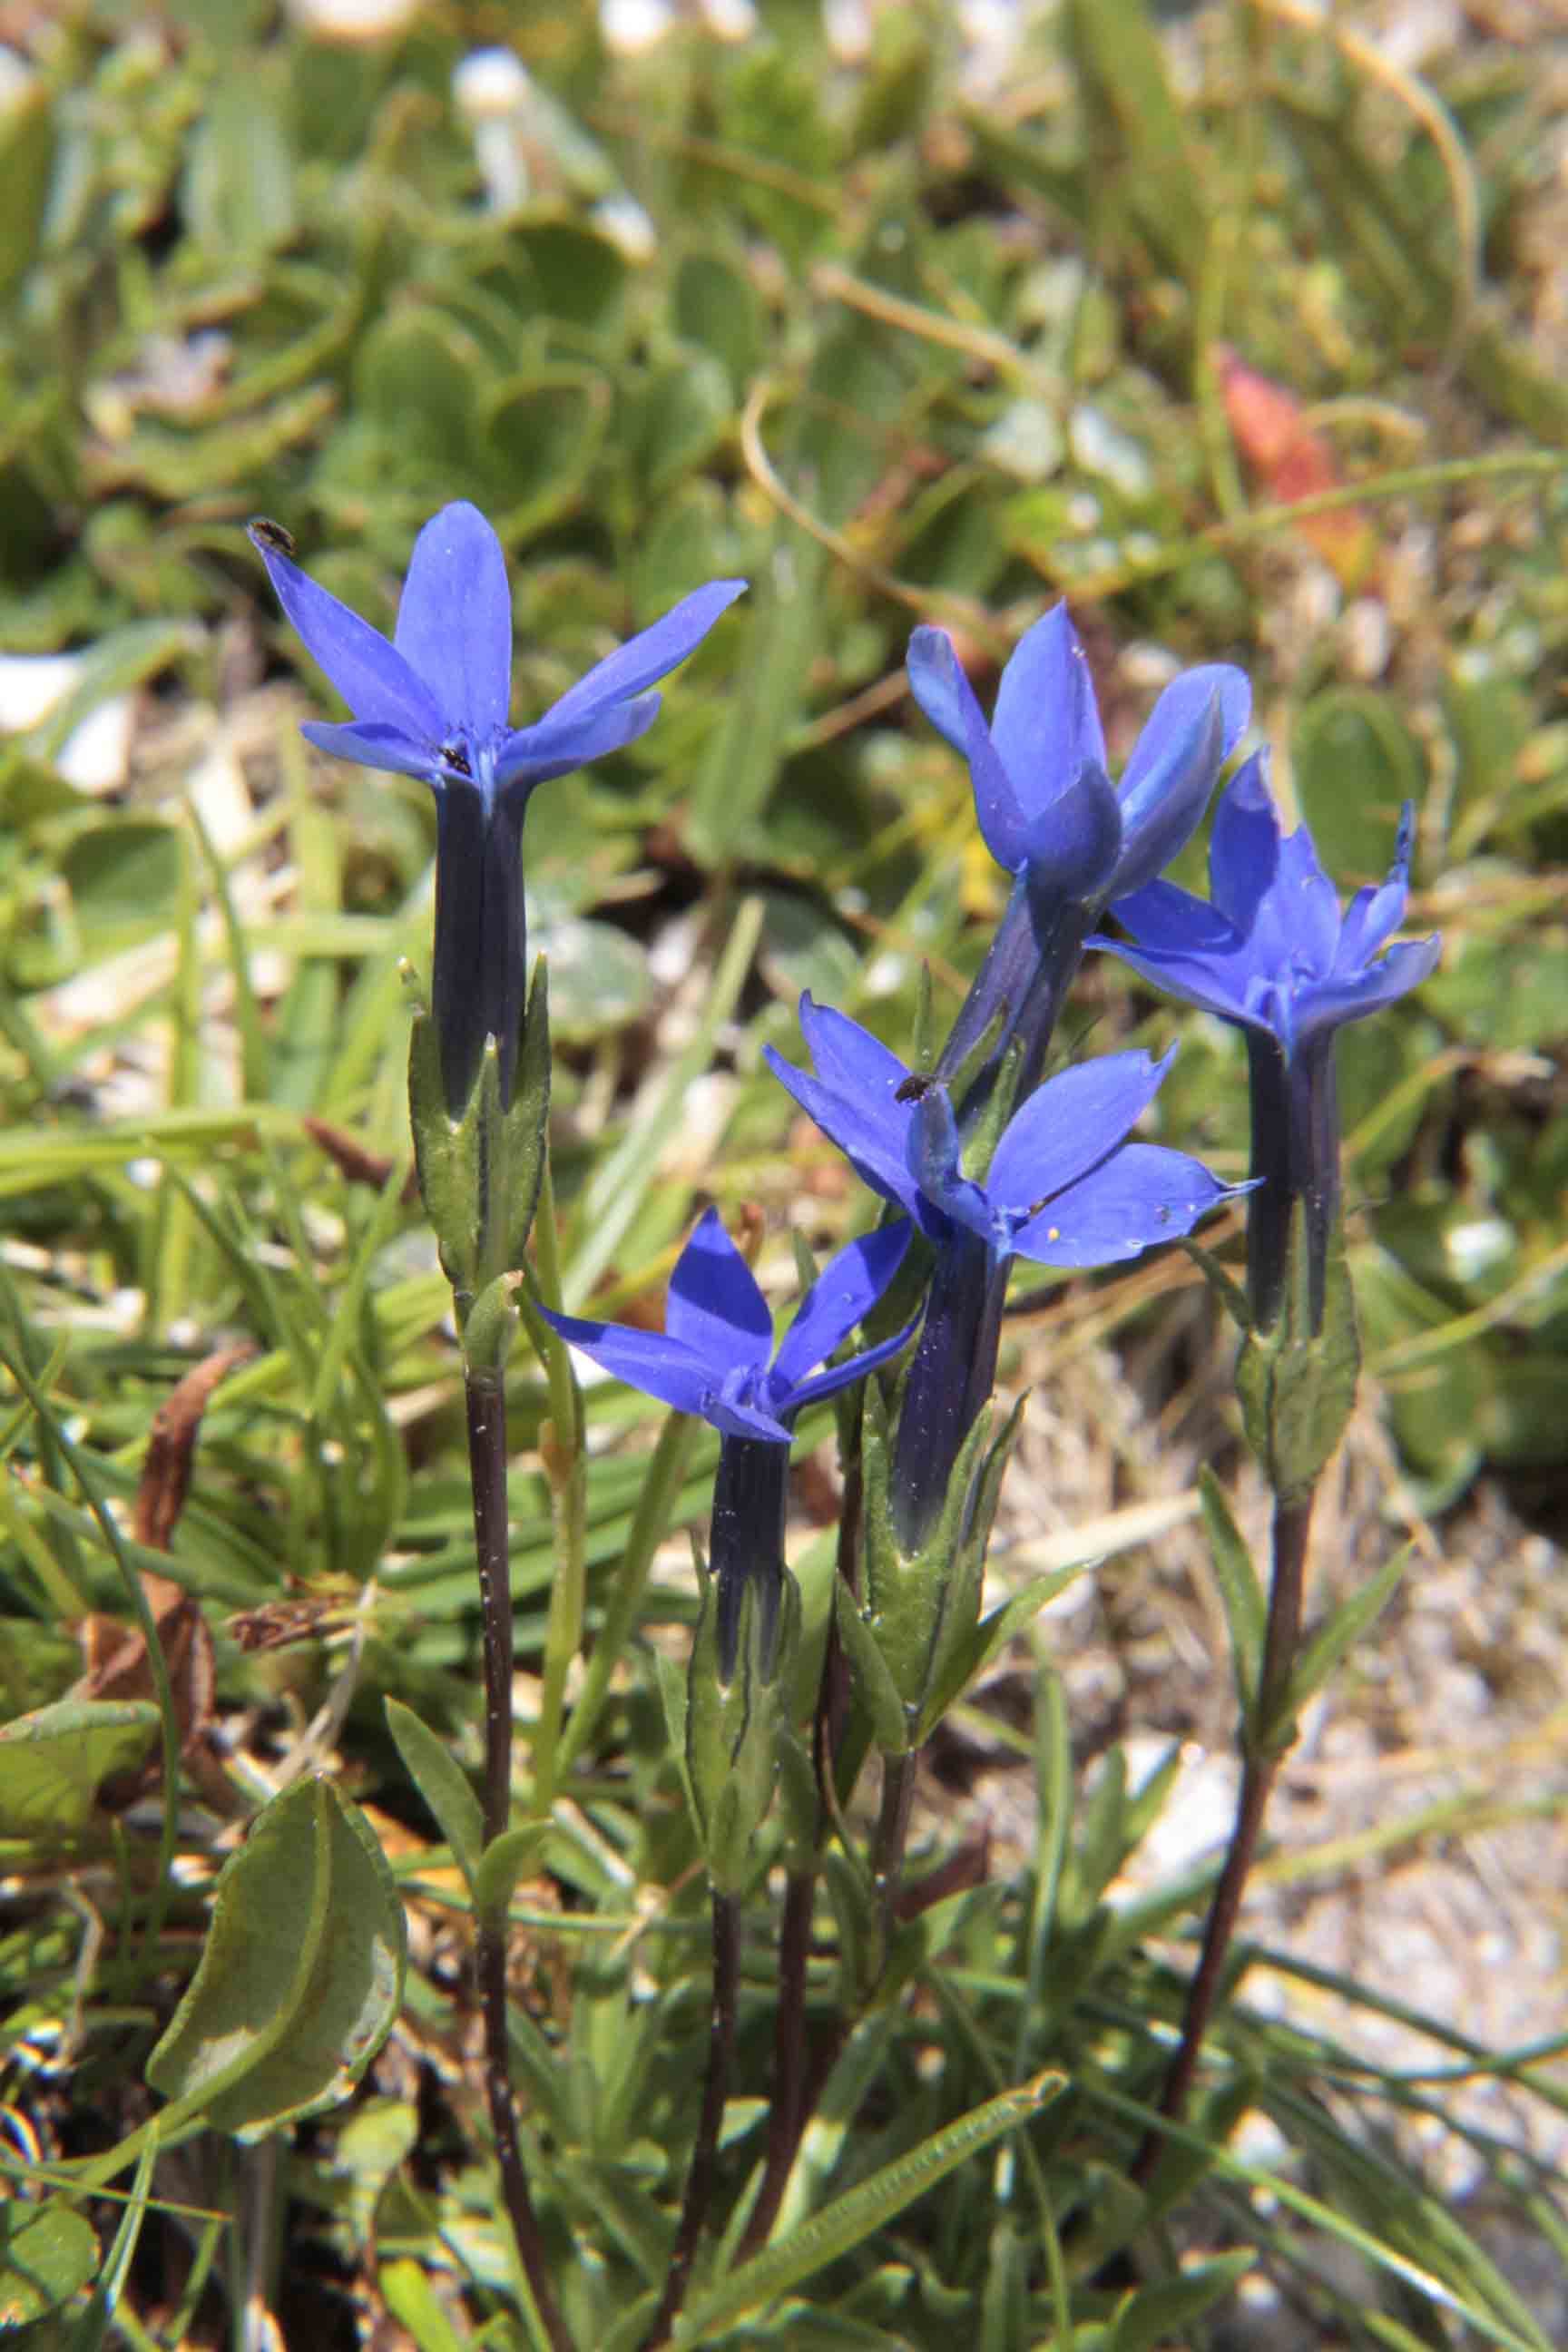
pixel 899 344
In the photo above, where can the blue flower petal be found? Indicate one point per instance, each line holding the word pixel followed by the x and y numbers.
pixel 1140 1195
pixel 1243 851
pixel 839 1376
pixel 1375 913
pixel 872 1142
pixel 644 659
pixel 1170 776
pixel 368 745
pixel 1047 726
pixel 454 623
pixel 842 1296
pixel 715 1307
pixel 1068 1125
pixel 1329 1003
pixel 1163 917
pixel 1214 983
pixel 372 676
pixel 1075 843
pixel 939 685
pixel 554 746
pixel 648 1360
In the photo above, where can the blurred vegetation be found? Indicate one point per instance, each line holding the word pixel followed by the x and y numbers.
pixel 1216 320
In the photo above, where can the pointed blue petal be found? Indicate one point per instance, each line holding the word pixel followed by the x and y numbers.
pixel 1074 843
pixel 372 676
pixel 1168 779
pixel 1376 912
pixel 1329 1004
pixel 1163 917
pixel 1068 1125
pixel 640 663
pixel 839 1376
pixel 553 747
pixel 648 1360
pixel 1214 983
pixel 846 1055
pixel 843 1295
pixel 1295 928
pixel 1181 702
pixel 874 1147
pixel 1140 1195
pixel 1243 851
pixel 715 1307
pixel 1047 725
pixel 387 748
pixel 939 685
pixel 454 623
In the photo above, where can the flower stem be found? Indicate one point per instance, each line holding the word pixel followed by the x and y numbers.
pixel 564 1461
pixel 888 1847
pixel 1267 1746
pixel 787 2113
pixel 796 2083
pixel 702 2177
pixel 485 1396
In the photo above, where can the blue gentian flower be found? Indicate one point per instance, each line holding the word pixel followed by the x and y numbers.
pixel 715 1357
pixel 1064 1188
pixel 1052 817
pixel 435 703
pixel 1270 951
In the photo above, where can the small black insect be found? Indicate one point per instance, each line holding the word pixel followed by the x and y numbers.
pixel 271 534
pixel 454 756
pixel 912 1088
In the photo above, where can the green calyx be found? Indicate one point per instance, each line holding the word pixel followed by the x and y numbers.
pixel 737 1732
pixel 479 1174
pixel 1298 1386
pixel 913 1642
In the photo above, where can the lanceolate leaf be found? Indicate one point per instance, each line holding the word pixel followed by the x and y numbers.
pixel 851 2218
pixel 301 1975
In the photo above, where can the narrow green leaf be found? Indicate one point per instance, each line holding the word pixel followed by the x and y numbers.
pixel 877 1691
pixel 991 1634
pixel 301 1975
pixel 1241 1592
pixel 851 2218
pixel 503 1862
pixel 443 1784
pixel 1333 1641
pixel 1162 2314
pixel 91 2329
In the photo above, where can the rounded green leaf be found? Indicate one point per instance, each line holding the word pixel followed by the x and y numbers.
pixel 52 1762
pixel 47 2253
pixel 301 1975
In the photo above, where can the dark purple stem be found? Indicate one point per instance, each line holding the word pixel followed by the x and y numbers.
pixel 704 2172
pixel 486 1401
pixel 1265 1751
